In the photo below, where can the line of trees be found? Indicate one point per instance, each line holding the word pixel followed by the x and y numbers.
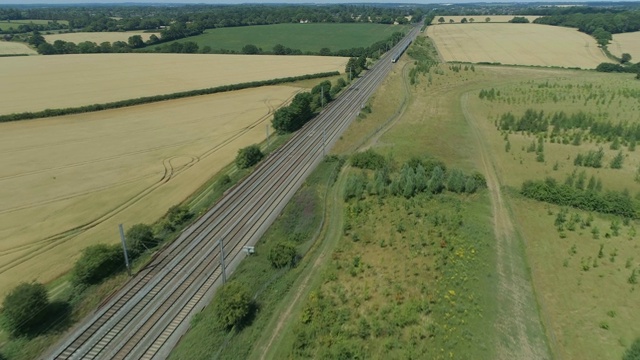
pixel 599 24
pixel 559 122
pixel 128 18
pixel 304 106
pixel 415 176
pixel 156 98
pixel 27 310
pixel 610 202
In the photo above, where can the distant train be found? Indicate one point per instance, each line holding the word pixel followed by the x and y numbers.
pixel 399 53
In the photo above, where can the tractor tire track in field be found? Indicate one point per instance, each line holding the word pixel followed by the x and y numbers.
pixel 43 245
pixel 520 331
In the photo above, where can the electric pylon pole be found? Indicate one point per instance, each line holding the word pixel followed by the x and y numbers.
pixel 222 266
pixel 124 248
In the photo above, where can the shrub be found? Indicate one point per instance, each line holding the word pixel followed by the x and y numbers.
pixel 140 238
pixel 633 352
pixel 233 304
pixel 176 216
pixel 368 159
pixel 282 254
pixel 24 308
pixel 249 156
pixel 96 263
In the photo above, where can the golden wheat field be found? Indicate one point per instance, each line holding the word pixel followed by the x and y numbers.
pixel 97 37
pixel 626 43
pixel 516 44
pixel 10 48
pixel 32 84
pixel 481 18
pixel 94 171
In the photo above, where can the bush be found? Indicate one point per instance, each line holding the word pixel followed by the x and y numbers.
pixel 233 304
pixel 96 263
pixel 611 202
pixel 140 238
pixel 282 254
pixel 368 159
pixel 249 156
pixel 24 308
pixel 176 216
pixel 633 352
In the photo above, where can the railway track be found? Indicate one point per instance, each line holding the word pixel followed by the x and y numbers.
pixel 149 315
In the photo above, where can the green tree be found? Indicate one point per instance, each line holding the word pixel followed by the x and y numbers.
pixel 36 39
pixel 325 51
pixel 487 19
pixel 176 216
pixel 464 20
pixel 602 36
pixel 139 238
pixel 24 308
pixel 616 163
pixel 441 20
pixel 96 263
pixel 436 181
pixel 279 49
pixel 282 254
pixel 249 156
pixel 519 20
pixel 232 304
pixel 135 41
pixel 625 58
pixel 633 352
pixel 293 117
pixel 46 49
pixel 456 181
pixel 250 49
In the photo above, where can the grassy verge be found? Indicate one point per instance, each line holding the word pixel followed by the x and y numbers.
pixel 299 223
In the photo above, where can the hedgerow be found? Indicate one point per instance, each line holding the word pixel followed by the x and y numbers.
pixel 156 98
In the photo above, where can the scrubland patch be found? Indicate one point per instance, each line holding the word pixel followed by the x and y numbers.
pixel 78 80
pixel 517 44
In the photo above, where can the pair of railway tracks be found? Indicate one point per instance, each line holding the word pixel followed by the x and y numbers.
pixel 149 315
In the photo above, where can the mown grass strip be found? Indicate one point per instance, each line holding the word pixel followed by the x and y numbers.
pixel 157 98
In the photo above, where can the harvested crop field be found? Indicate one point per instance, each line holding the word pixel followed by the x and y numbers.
pixel 97 37
pixel 482 18
pixel 91 172
pixel 517 44
pixel 626 43
pixel 7 47
pixel 100 78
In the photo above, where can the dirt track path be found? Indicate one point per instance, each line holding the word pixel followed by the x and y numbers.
pixel 521 334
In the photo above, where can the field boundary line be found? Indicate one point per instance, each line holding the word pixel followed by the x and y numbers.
pixel 158 98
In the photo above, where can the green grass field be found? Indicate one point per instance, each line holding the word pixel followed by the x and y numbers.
pixel 581 262
pixel 6 25
pixel 305 37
